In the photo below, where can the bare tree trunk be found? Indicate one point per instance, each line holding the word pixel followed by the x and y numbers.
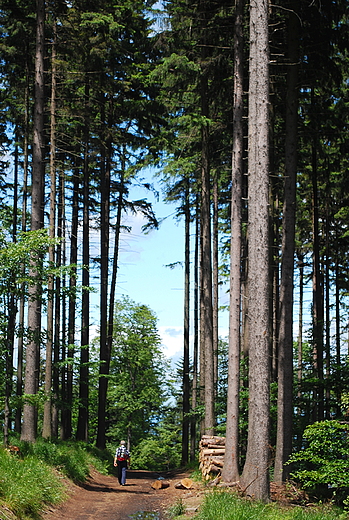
pixel 19 384
pixel 12 300
pixel 57 326
pixel 318 410
pixel 327 284
pixel 104 350
pixel 47 420
pixel 215 287
pixel 185 377
pixel 29 427
pixel 67 421
pixel 255 477
pixel 338 336
pixel 11 314
pixel 285 352
pixel 82 429
pixel 231 460
pixel 206 310
pixel 63 389
pixel 300 328
pixel 194 398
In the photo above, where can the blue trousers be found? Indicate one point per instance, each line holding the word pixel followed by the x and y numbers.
pixel 122 467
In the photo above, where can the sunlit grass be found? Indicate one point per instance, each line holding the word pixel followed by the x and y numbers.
pixel 33 479
pixel 26 485
pixel 224 505
pixel 74 459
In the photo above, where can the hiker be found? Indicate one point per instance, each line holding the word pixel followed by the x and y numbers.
pixel 121 460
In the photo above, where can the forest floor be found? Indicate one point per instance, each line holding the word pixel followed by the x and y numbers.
pixel 102 497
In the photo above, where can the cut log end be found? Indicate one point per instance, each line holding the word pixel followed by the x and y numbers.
pixel 185 483
pixel 160 484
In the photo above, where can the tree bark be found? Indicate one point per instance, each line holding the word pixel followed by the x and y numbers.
pixel 285 343
pixel 31 384
pixel 318 320
pixel 206 310
pixel 215 285
pixel 185 376
pixel 47 420
pixel 230 472
pixel 82 429
pixel 104 351
pixel 68 403
pixel 19 384
pixel 194 397
pixel 255 477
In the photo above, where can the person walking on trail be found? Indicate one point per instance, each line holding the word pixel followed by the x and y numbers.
pixel 121 460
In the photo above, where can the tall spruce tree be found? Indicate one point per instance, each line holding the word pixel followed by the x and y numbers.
pixel 255 475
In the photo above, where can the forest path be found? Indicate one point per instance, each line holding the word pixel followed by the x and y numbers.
pixel 102 498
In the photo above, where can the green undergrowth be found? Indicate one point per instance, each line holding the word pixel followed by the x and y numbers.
pixel 224 505
pixel 33 478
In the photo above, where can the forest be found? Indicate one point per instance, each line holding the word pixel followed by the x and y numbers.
pixel 242 110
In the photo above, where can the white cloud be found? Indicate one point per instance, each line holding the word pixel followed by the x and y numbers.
pixel 171 340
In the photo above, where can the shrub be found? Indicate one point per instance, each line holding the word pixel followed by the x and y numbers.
pixel 154 455
pixel 325 459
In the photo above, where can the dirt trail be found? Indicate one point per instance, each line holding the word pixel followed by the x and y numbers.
pixel 102 497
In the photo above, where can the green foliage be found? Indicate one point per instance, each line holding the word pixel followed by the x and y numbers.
pixel 224 505
pixel 136 391
pixel 156 455
pixel 27 484
pixel 325 460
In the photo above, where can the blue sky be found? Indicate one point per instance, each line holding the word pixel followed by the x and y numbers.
pixel 144 276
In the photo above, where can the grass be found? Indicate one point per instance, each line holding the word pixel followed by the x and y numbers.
pixel 33 480
pixel 27 485
pixel 73 459
pixel 224 505
pixel 177 509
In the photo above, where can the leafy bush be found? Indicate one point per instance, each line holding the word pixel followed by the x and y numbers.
pixel 325 460
pixel 154 455
pixel 27 484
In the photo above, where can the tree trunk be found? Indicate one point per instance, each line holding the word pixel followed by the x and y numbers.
pixel 63 389
pixel 47 420
pixel 67 407
pixel 82 429
pixel 300 328
pixel 327 306
pixel 206 310
pixel 185 377
pixel 318 410
pixel 12 300
pixel 255 476
pixel 285 343
pixel 215 287
pixel 19 384
pixel 104 351
pixel 230 472
pixel 29 427
pixel 56 372
pixel 194 397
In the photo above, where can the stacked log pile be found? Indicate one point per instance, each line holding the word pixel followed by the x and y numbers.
pixel 211 456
